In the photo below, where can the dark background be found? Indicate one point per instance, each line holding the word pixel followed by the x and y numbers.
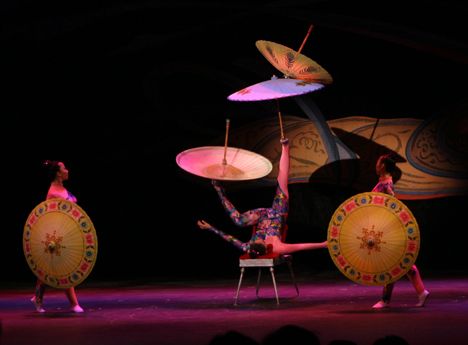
pixel 116 89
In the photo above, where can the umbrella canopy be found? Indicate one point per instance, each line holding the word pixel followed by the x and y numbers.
pixel 60 243
pixel 373 238
pixel 293 64
pixel 273 89
pixel 238 164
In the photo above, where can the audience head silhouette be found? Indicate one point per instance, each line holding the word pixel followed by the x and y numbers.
pixel 391 340
pixel 291 334
pixel 232 338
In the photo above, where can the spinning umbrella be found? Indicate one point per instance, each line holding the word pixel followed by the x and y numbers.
pixel 302 75
pixel 60 243
pixel 292 63
pixel 206 162
pixel 373 238
pixel 224 163
pixel 273 89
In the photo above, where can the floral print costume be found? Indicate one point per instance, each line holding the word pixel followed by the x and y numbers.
pixel 269 221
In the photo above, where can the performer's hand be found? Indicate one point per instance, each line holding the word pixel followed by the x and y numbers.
pixel 203 225
pixel 284 141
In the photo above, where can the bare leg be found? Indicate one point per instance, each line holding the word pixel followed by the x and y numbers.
pixel 415 279
pixel 286 248
pixel 283 173
pixel 71 295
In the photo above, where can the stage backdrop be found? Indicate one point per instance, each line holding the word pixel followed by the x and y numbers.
pixel 430 153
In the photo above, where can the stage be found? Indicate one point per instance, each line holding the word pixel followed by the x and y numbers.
pixel 193 312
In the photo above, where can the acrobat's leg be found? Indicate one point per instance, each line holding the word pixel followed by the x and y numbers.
pixel 281 199
pixel 286 248
pixel 283 173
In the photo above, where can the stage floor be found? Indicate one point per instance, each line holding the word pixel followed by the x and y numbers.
pixel 194 311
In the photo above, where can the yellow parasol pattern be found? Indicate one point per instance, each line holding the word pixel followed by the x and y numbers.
pixel 60 243
pixel 293 64
pixel 373 238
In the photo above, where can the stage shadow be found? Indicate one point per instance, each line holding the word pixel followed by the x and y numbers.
pixel 358 173
pixel 55 315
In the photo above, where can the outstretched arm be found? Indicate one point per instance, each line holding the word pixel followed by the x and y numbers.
pixel 283 173
pixel 234 241
pixel 238 219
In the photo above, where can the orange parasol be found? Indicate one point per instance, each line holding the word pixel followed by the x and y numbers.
pixel 373 238
pixel 293 64
pixel 60 243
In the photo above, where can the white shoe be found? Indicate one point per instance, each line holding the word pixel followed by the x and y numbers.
pixel 422 298
pixel 380 305
pixel 38 306
pixel 77 309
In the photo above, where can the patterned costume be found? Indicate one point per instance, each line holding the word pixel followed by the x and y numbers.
pixel 269 223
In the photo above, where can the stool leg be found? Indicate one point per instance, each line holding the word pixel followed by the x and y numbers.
pixel 272 270
pixel 293 277
pixel 239 285
pixel 258 280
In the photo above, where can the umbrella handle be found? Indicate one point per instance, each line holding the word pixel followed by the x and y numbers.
pixel 226 141
pixel 280 120
pixel 305 39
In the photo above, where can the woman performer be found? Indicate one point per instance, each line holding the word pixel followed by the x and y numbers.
pixel 268 222
pixel 57 174
pixel 385 168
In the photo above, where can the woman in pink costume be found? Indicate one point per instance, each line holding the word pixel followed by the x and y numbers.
pixel 58 174
pixel 385 168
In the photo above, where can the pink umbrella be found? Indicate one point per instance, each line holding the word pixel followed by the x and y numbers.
pixel 275 88
pixel 220 163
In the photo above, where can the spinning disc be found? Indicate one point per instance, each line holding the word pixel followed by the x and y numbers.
pixel 240 164
pixel 373 238
pixel 60 243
